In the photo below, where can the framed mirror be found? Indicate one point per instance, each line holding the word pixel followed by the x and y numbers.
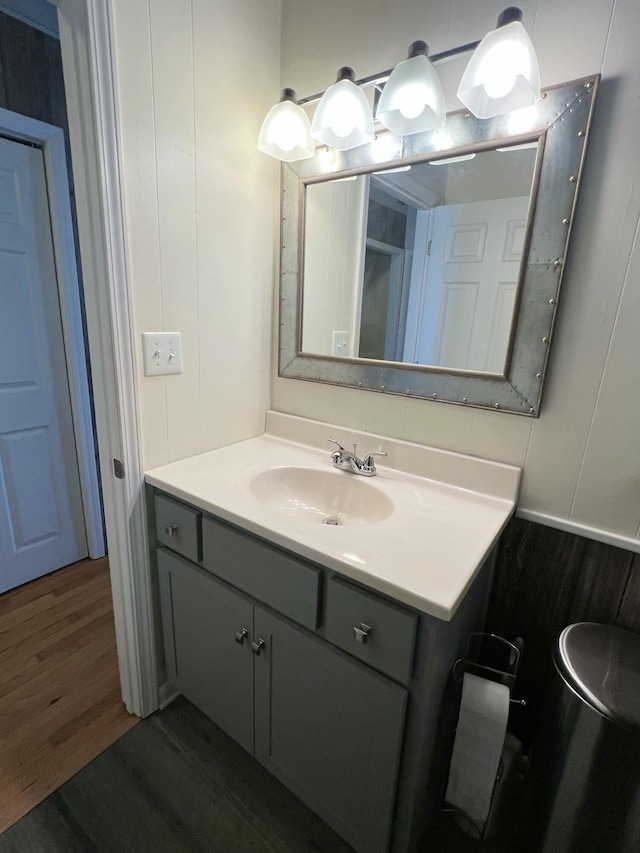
pixel 431 266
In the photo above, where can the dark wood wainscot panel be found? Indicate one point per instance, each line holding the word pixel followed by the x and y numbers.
pixel 546 579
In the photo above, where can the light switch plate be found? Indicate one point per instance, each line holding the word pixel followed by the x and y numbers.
pixel 162 353
pixel 340 344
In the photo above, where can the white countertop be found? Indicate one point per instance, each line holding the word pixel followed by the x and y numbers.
pixel 425 554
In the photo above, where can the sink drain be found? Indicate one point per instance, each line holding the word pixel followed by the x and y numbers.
pixel 331 520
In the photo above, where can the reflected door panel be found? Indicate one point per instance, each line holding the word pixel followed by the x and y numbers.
pixel 470 283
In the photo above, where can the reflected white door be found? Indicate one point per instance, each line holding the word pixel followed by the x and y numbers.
pixel 471 282
pixel 41 518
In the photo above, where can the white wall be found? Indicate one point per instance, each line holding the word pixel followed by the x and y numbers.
pixel 334 241
pixel 581 458
pixel 194 80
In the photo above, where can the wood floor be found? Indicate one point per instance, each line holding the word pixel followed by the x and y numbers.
pixel 174 784
pixel 60 702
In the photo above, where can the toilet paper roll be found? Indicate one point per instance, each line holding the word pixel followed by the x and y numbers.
pixel 482 725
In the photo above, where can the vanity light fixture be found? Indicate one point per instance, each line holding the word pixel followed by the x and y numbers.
pixel 343 119
pixel 502 76
pixel 286 131
pixel 412 100
pixel 503 73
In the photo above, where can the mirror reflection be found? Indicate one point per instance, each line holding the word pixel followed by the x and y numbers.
pixel 419 264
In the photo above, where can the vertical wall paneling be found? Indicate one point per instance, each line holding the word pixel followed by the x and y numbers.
pixel 609 483
pixel 591 296
pixel 571 37
pixel 132 45
pixel 608 486
pixel 580 460
pixel 235 84
pixel 499 438
pixel 194 82
pixel 173 100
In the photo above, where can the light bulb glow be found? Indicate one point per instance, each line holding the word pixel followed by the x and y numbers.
pixel 501 66
pixel 286 131
pixel 340 114
pixel 411 99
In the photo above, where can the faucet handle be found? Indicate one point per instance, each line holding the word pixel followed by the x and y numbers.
pixel 368 460
pixel 333 441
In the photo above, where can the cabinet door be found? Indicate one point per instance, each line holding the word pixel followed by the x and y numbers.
pixel 330 729
pixel 209 658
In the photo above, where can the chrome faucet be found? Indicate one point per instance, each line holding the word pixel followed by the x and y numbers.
pixel 346 460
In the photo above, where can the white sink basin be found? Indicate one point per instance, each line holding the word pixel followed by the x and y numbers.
pixel 321 497
pixel 418 532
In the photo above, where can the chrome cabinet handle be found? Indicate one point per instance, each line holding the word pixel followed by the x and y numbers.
pixel 170 529
pixel 240 635
pixel 255 647
pixel 361 633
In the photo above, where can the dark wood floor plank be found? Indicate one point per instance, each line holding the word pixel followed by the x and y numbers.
pixel 173 784
pixel 263 800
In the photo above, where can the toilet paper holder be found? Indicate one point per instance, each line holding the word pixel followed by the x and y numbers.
pixel 491 656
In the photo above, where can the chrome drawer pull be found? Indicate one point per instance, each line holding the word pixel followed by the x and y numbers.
pixel 240 635
pixel 255 647
pixel 170 529
pixel 361 634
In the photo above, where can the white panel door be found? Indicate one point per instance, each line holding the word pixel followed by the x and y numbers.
pixel 470 284
pixel 41 519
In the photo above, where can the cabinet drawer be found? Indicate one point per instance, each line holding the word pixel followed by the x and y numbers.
pixel 371 628
pixel 270 575
pixel 177 527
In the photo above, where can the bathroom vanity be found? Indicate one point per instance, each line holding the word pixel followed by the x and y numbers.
pixel 325 649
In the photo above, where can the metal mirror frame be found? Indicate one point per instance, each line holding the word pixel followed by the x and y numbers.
pixel 560 122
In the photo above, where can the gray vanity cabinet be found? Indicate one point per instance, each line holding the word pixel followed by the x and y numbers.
pixel 334 688
pixel 208 654
pixel 328 726
pixel 330 729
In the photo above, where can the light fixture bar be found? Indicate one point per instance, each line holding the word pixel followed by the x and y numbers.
pixel 383 76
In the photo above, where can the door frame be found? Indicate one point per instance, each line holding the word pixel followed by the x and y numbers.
pixel 51 141
pixel 86 47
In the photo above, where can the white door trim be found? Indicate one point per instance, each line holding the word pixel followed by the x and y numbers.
pixel 85 38
pixel 51 139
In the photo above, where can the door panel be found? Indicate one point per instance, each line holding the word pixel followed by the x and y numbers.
pixel 26 462
pixel 41 517
pixel 205 661
pixel 470 284
pixel 330 729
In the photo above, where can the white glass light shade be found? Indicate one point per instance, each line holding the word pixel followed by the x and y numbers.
pixel 412 100
pixel 503 73
pixel 343 119
pixel 286 131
